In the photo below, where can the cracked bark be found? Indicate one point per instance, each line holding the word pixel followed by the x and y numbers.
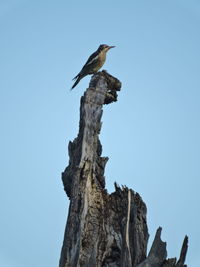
pixel 107 230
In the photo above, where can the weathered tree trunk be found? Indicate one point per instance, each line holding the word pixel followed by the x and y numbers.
pixel 104 229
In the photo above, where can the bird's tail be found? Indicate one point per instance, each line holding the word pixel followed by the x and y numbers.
pixel 77 78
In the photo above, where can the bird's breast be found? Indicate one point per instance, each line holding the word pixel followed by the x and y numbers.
pixel 101 60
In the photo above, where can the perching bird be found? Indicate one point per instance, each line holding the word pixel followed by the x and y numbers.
pixel 93 64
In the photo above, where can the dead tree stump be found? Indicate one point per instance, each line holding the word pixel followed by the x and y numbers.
pixel 104 230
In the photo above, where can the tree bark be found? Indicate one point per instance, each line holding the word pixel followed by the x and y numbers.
pixel 106 230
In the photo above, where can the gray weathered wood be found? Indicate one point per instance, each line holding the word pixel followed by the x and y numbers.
pixel 107 230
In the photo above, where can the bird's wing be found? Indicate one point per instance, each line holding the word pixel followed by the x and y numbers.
pixel 91 59
pixel 94 57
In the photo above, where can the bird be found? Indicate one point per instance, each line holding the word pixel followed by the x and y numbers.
pixel 93 64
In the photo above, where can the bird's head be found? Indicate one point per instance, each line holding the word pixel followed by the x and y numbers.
pixel 104 47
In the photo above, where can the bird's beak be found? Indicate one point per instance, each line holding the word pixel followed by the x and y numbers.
pixel 111 47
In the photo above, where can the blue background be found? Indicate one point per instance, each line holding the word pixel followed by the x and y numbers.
pixel 151 135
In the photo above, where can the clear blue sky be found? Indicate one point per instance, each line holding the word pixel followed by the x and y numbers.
pixel 151 135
